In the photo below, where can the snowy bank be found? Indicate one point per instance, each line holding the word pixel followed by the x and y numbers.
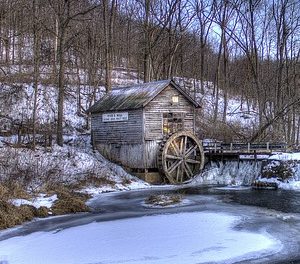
pixel 175 238
pixel 282 169
pixel 64 165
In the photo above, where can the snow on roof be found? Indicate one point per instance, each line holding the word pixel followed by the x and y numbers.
pixel 134 97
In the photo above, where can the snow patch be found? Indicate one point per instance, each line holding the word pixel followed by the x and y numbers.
pixel 285 156
pixel 41 200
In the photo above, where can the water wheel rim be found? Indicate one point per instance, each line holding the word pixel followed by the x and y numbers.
pixel 182 157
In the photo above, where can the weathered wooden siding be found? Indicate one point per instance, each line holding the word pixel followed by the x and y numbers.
pixel 120 132
pixel 128 155
pixel 153 112
pixel 151 153
pixel 136 156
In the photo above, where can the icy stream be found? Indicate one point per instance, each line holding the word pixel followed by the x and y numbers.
pixel 215 224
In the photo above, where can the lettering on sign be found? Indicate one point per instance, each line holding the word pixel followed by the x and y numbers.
pixel 113 117
pixel 252 157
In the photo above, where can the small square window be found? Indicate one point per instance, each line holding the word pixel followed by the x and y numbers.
pixel 175 99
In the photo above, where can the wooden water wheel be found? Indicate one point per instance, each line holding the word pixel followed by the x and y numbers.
pixel 181 157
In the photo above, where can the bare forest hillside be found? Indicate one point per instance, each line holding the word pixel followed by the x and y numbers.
pixel 52 52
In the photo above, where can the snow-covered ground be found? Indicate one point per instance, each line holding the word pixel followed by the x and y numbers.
pixel 285 156
pixel 41 200
pixel 196 237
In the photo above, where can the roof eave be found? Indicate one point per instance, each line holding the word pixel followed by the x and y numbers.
pixel 196 104
pixel 115 110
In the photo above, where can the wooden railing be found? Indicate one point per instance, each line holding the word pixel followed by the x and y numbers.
pixel 237 147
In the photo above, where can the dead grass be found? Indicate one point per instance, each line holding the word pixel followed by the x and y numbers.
pixel 70 202
pixel 10 190
pixel 42 212
pixel 11 215
pixel 164 199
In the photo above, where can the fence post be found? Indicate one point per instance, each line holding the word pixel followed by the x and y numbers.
pixel 268 146
pixel 248 147
pixel 231 146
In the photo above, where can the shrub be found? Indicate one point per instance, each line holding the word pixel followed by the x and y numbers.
pixel 278 169
pixel 42 212
pixel 3 192
pixel 27 212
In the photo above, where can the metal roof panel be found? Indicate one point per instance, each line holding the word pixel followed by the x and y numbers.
pixel 132 97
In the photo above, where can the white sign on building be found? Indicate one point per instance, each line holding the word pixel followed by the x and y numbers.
pixel 113 117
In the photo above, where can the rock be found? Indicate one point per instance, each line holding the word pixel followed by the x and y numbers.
pixel 261 185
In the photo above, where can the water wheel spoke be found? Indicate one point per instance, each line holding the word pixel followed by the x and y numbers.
pixel 184 145
pixel 182 171
pixel 175 147
pixel 181 145
pixel 173 157
pixel 193 161
pixel 177 173
pixel 174 166
pixel 191 150
pixel 188 170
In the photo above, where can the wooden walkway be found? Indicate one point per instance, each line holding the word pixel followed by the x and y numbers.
pixel 241 151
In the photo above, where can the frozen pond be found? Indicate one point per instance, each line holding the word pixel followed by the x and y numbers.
pixel 222 225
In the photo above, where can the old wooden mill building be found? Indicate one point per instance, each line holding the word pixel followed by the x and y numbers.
pixel 150 130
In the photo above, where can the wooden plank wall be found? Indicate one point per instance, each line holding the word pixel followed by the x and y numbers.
pixel 162 104
pixel 128 155
pixel 151 153
pixel 121 132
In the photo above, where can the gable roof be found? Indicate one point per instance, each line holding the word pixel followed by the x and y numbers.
pixel 134 97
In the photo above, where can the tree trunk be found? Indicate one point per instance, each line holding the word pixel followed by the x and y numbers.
pixel 108 62
pixel 36 74
pixel 61 88
pixel 147 43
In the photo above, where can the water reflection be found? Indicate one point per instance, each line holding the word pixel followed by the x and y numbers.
pixel 286 201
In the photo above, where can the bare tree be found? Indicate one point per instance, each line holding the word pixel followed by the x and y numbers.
pixel 65 12
pixel 205 13
pixel 36 64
